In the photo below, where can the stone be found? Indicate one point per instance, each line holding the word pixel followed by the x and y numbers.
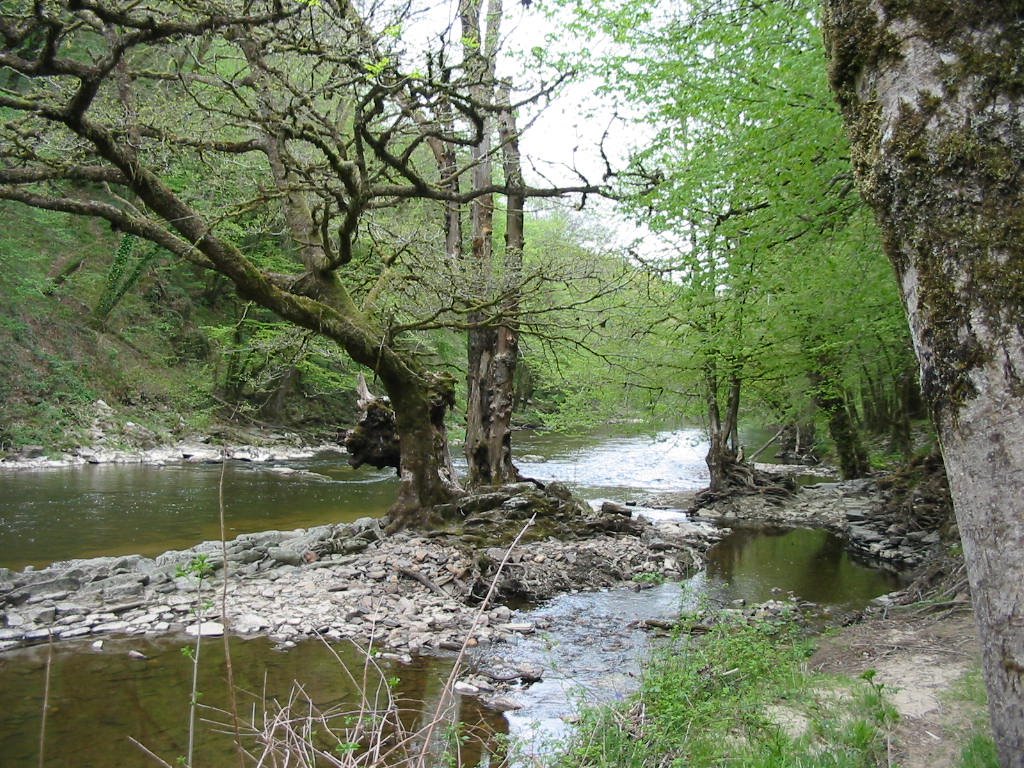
pixel 530 673
pixel 247 556
pixel 249 623
pixel 206 629
pixel 72 632
pixel 110 626
pixel 613 507
pixel 503 703
pixel 285 555
pixel 862 533
pixel 61 584
pixel 520 627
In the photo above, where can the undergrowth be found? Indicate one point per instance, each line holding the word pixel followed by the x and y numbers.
pixel 740 696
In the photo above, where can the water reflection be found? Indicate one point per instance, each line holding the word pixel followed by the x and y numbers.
pixel 100 699
pixel 89 511
pixel 759 564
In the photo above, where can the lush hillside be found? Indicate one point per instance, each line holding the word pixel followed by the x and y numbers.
pixel 88 315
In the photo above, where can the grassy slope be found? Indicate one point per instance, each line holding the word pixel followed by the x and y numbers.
pixel 56 361
pixel 743 695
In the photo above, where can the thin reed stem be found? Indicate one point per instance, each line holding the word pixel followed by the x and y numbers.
pixel 46 701
pixel 228 666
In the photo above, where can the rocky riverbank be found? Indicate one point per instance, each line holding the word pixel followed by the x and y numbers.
pixel 414 592
pixel 869 515
pixel 407 592
pixel 113 441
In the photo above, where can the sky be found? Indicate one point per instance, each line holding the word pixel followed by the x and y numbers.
pixel 561 140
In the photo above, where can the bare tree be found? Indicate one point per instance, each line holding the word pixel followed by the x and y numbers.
pixel 182 123
pixel 932 98
pixel 493 344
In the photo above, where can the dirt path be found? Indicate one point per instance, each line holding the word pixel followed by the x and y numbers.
pixel 927 663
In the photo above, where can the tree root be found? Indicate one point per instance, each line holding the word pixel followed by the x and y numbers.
pixel 743 479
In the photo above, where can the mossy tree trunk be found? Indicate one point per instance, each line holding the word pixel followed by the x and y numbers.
pixel 725 464
pixel 933 96
pixel 428 478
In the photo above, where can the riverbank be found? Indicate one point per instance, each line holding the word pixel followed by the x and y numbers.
pixel 417 592
pixel 408 592
pixel 131 443
pixel 411 593
pixel 862 512
pixel 900 687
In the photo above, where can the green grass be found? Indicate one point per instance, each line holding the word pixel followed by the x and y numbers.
pixel 739 696
pixel 979 750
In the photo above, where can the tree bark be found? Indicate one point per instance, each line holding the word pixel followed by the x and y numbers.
pixel 492 346
pixel 428 478
pixel 724 464
pixel 932 96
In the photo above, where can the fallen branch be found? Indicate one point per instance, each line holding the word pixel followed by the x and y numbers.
pixel 419 577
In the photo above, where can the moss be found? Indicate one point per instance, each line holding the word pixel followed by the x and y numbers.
pixel 947 186
pixel 861 40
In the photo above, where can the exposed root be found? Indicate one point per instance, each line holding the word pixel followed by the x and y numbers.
pixel 742 479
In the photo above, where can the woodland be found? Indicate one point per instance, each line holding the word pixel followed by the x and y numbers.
pixel 217 211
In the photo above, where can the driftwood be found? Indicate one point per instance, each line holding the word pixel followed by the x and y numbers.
pixel 374 438
pixel 419 577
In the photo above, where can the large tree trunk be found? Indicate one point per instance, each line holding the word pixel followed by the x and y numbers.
pixel 933 100
pixel 407 431
pixel 493 346
pixel 426 470
pixel 420 399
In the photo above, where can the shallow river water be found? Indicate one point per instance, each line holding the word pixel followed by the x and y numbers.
pixel 100 698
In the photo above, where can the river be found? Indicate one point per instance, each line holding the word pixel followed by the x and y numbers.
pixel 99 698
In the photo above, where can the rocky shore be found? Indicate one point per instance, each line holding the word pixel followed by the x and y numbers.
pixel 110 440
pixel 859 511
pixel 407 592
pixel 419 592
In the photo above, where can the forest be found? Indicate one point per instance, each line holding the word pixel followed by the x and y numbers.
pixel 420 228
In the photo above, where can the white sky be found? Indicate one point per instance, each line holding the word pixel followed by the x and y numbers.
pixel 564 139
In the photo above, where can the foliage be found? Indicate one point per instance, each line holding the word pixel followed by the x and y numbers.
pixel 723 698
pixel 586 323
pixel 771 266
pixel 122 276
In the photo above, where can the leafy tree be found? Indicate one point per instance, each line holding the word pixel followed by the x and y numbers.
pixel 745 169
pixel 931 95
